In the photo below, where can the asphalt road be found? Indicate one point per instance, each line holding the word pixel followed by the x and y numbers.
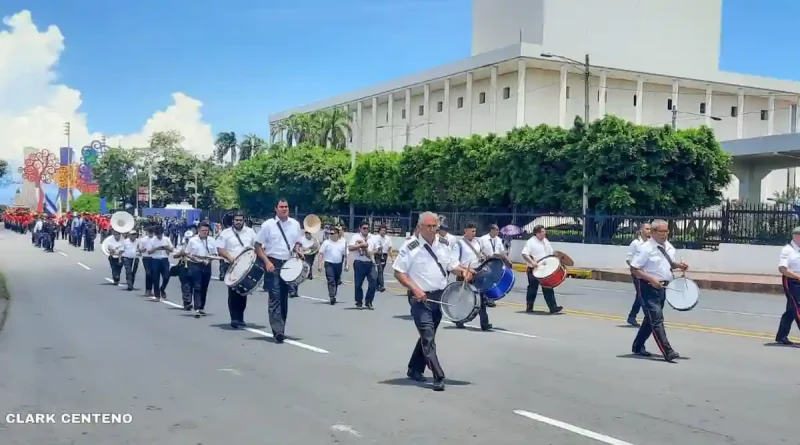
pixel 74 343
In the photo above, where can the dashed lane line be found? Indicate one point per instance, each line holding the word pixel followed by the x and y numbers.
pixel 571 428
pixel 84 266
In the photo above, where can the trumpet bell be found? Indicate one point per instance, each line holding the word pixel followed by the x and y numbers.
pixel 312 224
pixel 122 222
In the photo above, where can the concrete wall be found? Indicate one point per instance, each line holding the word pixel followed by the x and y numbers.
pixel 729 259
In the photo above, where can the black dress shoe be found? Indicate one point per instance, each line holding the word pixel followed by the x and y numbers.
pixel 235 325
pixel 671 356
pixel 557 309
pixel 641 352
pixel 460 325
pixel 784 341
pixel 279 338
pixel 488 327
pixel 359 304
pixel 632 321
pixel 491 303
pixel 369 306
pixel 333 301
pixel 438 385
pixel 529 307
pixel 416 376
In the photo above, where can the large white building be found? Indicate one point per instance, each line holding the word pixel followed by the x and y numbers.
pixel 646 58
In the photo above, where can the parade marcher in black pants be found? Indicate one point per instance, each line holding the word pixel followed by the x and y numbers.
pixel 382 255
pixel 536 248
pixel 114 245
pixel 644 235
pixel 333 257
pixel 467 252
pixel 183 271
pixel 159 249
pixel 230 244
pixel 363 245
pixel 310 246
pixel 789 267
pixel 130 258
pixel 200 248
pixel 143 245
pixel 653 266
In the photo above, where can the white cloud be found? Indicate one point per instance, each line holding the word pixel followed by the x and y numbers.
pixel 34 107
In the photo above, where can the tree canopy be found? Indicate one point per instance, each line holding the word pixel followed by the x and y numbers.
pixel 86 203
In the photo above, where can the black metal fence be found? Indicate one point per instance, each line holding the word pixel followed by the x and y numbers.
pixel 761 224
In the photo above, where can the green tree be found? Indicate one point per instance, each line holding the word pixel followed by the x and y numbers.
pixel 3 168
pixel 226 145
pixel 115 174
pixel 377 181
pixel 86 203
pixel 251 146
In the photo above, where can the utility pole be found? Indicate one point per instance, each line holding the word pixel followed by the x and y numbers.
pixel 69 165
pixel 674 117
pixel 408 132
pixel 585 200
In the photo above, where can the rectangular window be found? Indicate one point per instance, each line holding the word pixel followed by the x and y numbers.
pixel 634 100
pixel 506 92
pixel 387 117
pixel 460 102
pixel 482 98
pixel 734 111
pixel 702 108
pixel 764 115
pixel 422 110
pixel 567 92
pixel 403 113
pixel 439 107
pixel 669 104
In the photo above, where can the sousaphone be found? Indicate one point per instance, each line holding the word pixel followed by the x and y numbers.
pixel 312 224
pixel 122 222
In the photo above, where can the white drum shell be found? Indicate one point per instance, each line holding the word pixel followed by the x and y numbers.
pixel 461 301
pixel 292 270
pixel 241 265
pixel 682 294
pixel 547 266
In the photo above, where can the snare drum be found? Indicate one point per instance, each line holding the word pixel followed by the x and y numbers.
pixel 295 271
pixel 550 273
pixel 461 303
pixel 494 278
pixel 245 273
pixel 682 294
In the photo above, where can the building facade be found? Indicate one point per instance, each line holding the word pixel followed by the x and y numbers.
pixel 528 65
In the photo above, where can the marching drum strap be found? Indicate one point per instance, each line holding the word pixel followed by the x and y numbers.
pixel 664 252
pixel 240 240
pixel 278 223
pixel 430 251
pixel 472 248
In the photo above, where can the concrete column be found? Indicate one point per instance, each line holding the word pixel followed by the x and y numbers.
pixel 562 97
pixel 522 69
pixel 793 118
pixel 390 119
pixel 426 110
pixel 468 102
pixel 750 176
pixel 360 127
pixel 493 100
pixel 639 100
pixel 350 144
pixel 407 124
pixel 676 89
pixel 740 116
pixel 446 107
pixel 709 98
pixel 771 115
pixel 601 110
pixel 374 123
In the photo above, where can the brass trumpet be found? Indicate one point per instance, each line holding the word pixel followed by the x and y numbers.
pixel 205 260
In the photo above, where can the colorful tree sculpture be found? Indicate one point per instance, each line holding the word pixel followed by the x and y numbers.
pixel 66 176
pixel 39 169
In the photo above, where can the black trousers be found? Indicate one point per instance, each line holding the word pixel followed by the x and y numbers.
pixel 381 266
pixel 131 266
pixel 278 297
pixel 482 314
pixel 186 285
pixel 791 288
pixel 333 273
pixel 237 303
pixel 365 270
pixel 88 243
pixel 427 317
pixel 309 259
pixel 200 275
pixel 653 307
pixel 533 289
pixel 116 268
pixel 148 274
pixel 223 269
pixel 637 299
pixel 159 271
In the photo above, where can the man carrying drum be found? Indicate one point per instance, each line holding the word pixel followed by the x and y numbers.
pixel 422 267
pixel 789 267
pixel 653 265
pixel 467 251
pixel 644 235
pixel 536 248
pixel 492 246
pixel 232 242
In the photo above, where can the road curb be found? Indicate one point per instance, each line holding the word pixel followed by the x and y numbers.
pixel 732 286
pixel 5 301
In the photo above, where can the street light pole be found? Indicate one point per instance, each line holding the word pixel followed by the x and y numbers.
pixel 69 165
pixel 586 74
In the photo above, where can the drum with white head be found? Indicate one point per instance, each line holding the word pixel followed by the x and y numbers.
pixel 682 294
pixel 245 273
pixel 460 303
pixel 550 271
pixel 295 271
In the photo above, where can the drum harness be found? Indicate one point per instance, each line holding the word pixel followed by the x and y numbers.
pixel 672 264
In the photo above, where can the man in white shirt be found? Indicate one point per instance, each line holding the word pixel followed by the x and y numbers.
pixel 130 258
pixel 113 245
pixel 160 248
pixel 789 267
pixel 644 235
pixel 182 253
pixel 310 246
pixel 37 228
pixel 277 242
pixel 491 244
pixel 333 255
pixel 383 245
pixel 444 232
pixel 200 248
pixel 536 248
pixel 363 245
pixel 231 243
pixel 468 252
pixel 144 247
pixel 653 265
pixel 421 267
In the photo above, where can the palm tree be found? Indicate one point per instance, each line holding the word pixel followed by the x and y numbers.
pixel 334 126
pixel 226 144
pixel 250 147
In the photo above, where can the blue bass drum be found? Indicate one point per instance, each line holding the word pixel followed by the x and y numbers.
pixel 494 279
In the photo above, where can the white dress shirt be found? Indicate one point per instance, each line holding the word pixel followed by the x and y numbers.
pixel 112 244
pixel 143 244
pixel 383 244
pixel 230 243
pixel 790 257
pixel 372 244
pixel 333 252
pixel 452 240
pixel 307 243
pixel 130 248
pixel 465 255
pixel 633 248
pixel 491 246
pixel 201 247
pixel 651 261
pixel 38 226
pixel 415 261
pixel 537 249
pixel 273 243
pixel 155 242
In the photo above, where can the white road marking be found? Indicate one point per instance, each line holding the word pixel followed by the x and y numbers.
pixel 751 314
pixel 345 429
pixel 230 370
pixel 63 254
pixel 498 331
pixel 84 266
pixel 608 290
pixel 325 300
pixel 169 303
pixel 289 342
pixel 571 428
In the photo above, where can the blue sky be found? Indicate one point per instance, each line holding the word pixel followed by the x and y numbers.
pixel 246 59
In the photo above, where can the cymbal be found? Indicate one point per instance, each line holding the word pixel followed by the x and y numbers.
pixel 564 258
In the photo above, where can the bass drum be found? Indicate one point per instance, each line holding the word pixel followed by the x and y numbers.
pixel 295 271
pixel 245 274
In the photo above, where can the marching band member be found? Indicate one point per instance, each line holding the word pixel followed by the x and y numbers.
pixel 644 235
pixel 468 253
pixel 143 246
pixel 35 238
pixel 653 265
pixel 333 254
pixel 422 268
pixel 309 244
pixel 183 270
pixel 199 248
pixel 789 267
pixel 364 265
pixel 89 234
pixel 384 246
pixel 48 234
pixel 113 245
pixel 276 243
pixel 159 250
pixel 536 248
pixel 492 246
pixel 129 258
pixel 232 242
